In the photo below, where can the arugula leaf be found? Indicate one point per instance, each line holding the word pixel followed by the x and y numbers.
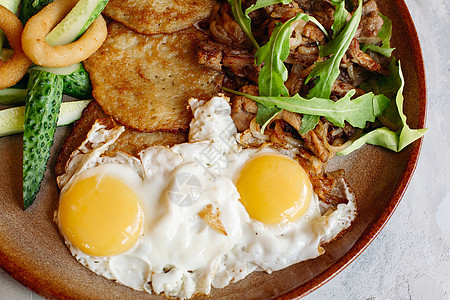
pixel 407 135
pixel 356 112
pixel 326 72
pixel 274 73
pixel 385 35
pixel 380 84
pixel 383 137
pixel 309 122
pixel 387 52
pixel 263 3
pixel 243 20
pixel 265 115
pixel 389 86
pixel 393 140
pixel 385 32
pixel 383 51
pixel 340 17
pixel 273 54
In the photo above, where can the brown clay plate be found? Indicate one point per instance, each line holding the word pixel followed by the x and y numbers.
pixel 32 251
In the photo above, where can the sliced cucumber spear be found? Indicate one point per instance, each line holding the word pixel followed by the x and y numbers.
pixel 41 115
pixel 44 97
pixel 12 119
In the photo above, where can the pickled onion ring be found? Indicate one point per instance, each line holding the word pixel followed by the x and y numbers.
pixel 43 54
pixel 12 70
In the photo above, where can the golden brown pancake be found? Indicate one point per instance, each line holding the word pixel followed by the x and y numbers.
pixel 163 16
pixel 130 141
pixel 144 82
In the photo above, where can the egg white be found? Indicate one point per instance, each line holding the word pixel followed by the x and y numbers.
pixel 178 253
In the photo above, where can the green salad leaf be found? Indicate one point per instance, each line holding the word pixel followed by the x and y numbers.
pixel 340 17
pixel 273 73
pixel 243 20
pixel 309 122
pixel 265 115
pixel 263 3
pixel 357 112
pixel 385 32
pixel 385 35
pixel 389 86
pixel 385 137
pixel 407 135
pixel 395 135
pixel 326 72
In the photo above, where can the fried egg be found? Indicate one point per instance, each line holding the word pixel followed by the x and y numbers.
pixel 180 220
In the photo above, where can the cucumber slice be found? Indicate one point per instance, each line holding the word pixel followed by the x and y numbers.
pixel 59 71
pixel 12 119
pixel 71 111
pixel 13 96
pixel 12 5
pixel 41 115
pixel 76 22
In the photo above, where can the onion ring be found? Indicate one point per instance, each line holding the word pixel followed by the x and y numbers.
pixel 43 54
pixel 12 70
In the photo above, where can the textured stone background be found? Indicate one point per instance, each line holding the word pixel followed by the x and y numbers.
pixel 410 258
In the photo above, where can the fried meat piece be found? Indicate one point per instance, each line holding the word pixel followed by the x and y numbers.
pixel 371 21
pixel 243 110
pixel 364 60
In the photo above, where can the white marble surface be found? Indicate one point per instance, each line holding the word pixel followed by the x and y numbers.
pixel 410 258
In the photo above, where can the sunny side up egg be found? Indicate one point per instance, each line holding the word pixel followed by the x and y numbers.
pixel 197 215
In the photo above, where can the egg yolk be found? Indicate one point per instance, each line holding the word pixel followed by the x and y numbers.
pixel 100 215
pixel 274 189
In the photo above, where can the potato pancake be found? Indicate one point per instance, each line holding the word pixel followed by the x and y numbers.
pixel 130 141
pixel 153 17
pixel 144 82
